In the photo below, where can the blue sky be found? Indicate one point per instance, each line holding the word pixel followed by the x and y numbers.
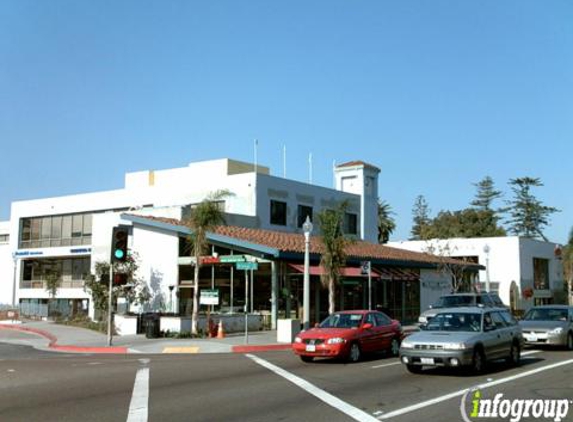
pixel 438 94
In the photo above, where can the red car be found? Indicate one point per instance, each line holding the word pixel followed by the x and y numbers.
pixel 348 334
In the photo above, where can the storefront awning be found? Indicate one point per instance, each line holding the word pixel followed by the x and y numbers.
pixel 345 271
pixel 402 274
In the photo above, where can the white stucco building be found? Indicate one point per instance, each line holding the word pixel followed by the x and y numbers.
pixel 513 265
pixel 73 232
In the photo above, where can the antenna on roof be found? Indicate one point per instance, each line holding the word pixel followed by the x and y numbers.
pixel 256 146
pixel 310 167
pixel 334 174
pixel 284 161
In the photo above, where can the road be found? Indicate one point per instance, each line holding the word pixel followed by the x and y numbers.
pixel 271 386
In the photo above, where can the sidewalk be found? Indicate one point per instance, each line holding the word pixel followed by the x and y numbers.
pixel 55 337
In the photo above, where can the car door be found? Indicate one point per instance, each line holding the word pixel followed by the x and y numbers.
pixel 504 334
pixel 368 335
pixel 491 337
pixel 386 331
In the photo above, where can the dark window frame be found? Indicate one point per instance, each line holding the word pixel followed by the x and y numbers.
pixel 278 213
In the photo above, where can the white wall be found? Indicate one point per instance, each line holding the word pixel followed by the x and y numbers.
pixel 433 284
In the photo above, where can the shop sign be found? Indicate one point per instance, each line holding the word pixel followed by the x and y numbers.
pixel 247 265
pixel 209 297
pixel 231 259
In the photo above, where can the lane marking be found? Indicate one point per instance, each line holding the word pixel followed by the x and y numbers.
pixel 431 402
pixel 387 364
pixel 353 412
pixel 138 407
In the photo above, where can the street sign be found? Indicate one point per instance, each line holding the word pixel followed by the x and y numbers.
pixel 231 259
pixel 365 267
pixel 209 260
pixel 209 297
pixel 247 265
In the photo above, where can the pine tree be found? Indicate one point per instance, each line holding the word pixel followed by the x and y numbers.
pixel 486 194
pixel 421 218
pixel 527 215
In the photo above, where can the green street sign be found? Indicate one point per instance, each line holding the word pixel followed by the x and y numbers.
pixel 231 259
pixel 247 265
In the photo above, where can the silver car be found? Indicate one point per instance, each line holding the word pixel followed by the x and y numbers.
pixel 456 300
pixel 464 337
pixel 548 325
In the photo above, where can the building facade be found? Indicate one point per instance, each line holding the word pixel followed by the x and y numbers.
pixel 524 272
pixel 69 234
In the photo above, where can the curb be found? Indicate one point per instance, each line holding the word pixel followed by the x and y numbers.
pixel 260 348
pixel 65 348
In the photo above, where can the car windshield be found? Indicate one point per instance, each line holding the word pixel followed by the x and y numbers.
pixel 546 314
pixel 342 321
pixel 454 321
pixel 454 301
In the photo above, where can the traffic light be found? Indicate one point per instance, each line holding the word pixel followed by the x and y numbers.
pixel 119 244
pixel 119 279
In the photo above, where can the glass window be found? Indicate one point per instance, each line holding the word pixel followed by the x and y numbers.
pixel 498 320
pixel 26 233
pixel 77 225
pixel 303 212
pixel 278 213
pixel 56 227
pixel 4 238
pixel 383 319
pixel 36 224
pixel 66 230
pixel 350 223
pixel 371 319
pixel 87 227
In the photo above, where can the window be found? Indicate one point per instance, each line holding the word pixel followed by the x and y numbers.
pixel 72 272
pixel 350 223
pixel 278 213
pixel 303 212
pixel 56 230
pixel 540 273
pixel 4 238
pixel 498 320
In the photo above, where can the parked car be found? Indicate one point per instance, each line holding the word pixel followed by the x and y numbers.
pixel 349 334
pixel 455 300
pixel 548 325
pixel 458 337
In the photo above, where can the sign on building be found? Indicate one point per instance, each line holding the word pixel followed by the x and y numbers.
pixel 209 297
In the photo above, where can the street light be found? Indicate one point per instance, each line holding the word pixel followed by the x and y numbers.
pixel 307 229
pixel 486 249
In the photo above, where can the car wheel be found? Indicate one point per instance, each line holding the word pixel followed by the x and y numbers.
pixel 514 354
pixel 394 347
pixel 306 359
pixel 478 361
pixel 414 369
pixel 354 354
pixel 570 341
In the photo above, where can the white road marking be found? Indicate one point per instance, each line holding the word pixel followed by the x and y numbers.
pixel 138 408
pixel 387 364
pixel 353 412
pixel 412 408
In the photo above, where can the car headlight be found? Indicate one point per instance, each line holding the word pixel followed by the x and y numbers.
pixel 407 345
pixel 297 340
pixel 556 331
pixel 455 346
pixel 335 340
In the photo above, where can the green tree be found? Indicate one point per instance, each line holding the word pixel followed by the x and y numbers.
pixel 527 215
pixel 204 217
pixel 386 222
pixel 486 194
pixel 97 284
pixel 53 282
pixel 333 249
pixel 421 218
pixel 464 223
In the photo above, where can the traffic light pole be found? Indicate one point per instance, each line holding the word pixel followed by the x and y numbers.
pixel 109 304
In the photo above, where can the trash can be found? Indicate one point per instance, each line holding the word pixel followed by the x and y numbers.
pixel 151 323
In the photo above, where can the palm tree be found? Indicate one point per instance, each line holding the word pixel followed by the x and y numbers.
pixel 386 223
pixel 204 217
pixel 333 254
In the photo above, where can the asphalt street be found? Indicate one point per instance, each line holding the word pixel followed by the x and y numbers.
pixel 271 386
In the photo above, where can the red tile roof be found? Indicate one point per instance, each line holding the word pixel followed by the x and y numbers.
pixel 294 243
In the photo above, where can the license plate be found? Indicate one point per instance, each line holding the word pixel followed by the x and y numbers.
pixel 310 348
pixel 531 337
pixel 427 361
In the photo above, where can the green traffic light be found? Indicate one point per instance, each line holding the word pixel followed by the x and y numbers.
pixel 118 253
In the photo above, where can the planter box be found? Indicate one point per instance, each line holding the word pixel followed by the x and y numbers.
pixel 125 324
